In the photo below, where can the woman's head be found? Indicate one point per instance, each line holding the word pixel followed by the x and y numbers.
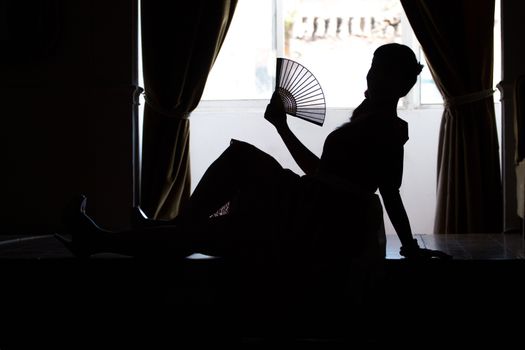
pixel 393 72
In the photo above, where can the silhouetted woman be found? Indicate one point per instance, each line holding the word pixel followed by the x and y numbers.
pixel 331 211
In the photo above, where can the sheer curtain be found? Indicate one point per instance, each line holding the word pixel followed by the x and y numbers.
pixel 180 42
pixel 457 39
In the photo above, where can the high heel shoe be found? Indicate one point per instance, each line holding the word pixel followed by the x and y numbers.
pixel 83 230
pixel 139 219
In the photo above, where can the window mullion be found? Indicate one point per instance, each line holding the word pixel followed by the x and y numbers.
pixel 278 27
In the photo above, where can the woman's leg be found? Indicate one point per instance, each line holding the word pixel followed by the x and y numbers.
pixel 88 238
pixel 213 236
pixel 241 166
pixel 241 169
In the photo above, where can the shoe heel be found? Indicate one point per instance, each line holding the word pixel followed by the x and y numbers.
pixel 139 219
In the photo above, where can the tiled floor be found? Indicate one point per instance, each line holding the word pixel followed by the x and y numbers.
pixel 467 246
pixel 460 246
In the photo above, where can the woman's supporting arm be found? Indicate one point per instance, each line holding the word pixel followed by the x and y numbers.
pixel 397 214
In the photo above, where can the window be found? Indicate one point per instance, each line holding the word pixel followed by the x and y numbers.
pixel 243 69
pixel 337 48
pixel 334 39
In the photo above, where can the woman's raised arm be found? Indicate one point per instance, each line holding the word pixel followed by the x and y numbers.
pixel 275 114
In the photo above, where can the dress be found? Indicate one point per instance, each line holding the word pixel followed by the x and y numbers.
pixel 332 213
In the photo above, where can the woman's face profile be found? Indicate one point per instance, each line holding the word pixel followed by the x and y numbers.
pixel 385 81
pixel 393 72
pixel 382 82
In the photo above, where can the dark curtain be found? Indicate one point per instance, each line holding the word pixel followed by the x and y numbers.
pixel 457 39
pixel 519 120
pixel 180 42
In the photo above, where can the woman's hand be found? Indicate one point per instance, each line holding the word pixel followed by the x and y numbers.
pixel 413 251
pixel 275 113
pixel 425 254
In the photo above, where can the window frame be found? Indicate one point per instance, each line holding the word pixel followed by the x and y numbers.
pixel 410 102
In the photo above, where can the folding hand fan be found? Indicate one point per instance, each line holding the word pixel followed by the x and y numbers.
pixel 300 91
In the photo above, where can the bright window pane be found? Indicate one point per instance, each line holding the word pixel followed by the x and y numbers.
pixel 429 92
pixel 245 66
pixel 336 41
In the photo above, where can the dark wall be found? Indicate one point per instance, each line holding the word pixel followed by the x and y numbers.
pixel 68 73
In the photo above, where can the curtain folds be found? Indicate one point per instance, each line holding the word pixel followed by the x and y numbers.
pixel 180 42
pixel 457 39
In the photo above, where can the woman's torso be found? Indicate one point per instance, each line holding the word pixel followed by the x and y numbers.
pixel 366 152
